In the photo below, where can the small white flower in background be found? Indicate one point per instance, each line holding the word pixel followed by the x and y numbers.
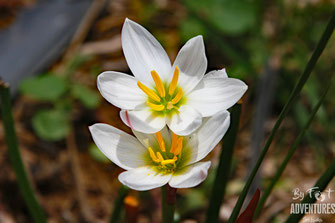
pixel 153 160
pixel 159 94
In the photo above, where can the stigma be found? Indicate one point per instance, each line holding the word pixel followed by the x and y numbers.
pixel 163 98
pixel 166 159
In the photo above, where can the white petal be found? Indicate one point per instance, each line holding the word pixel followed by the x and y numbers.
pixel 190 176
pixel 186 121
pixel 216 94
pixel 143 178
pixel 121 148
pixel 143 53
pixel 207 136
pixel 142 120
pixel 143 137
pixel 217 73
pixel 121 90
pixel 192 63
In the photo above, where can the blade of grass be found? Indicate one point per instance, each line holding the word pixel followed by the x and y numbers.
pixel 294 94
pixel 290 153
pixel 321 184
pixel 123 191
pixel 29 197
pixel 223 169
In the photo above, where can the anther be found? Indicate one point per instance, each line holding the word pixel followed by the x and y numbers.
pixel 159 83
pixel 178 96
pixel 148 92
pixel 155 107
pixel 160 141
pixel 179 146
pixel 174 142
pixel 174 81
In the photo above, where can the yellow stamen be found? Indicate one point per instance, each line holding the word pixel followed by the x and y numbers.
pixel 160 141
pixel 169 161
pixel 174 81
pixel 155 107
pixel 148 92
pixel 178 96
pixel 179 146
pixel 174 142
pixel 159 156
pixel 152 155
pixel 159 83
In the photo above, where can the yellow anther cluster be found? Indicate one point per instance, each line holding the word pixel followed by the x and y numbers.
pixel 163 157
pixel 160 100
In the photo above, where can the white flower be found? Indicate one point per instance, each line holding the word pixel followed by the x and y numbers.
pixel 159 94
pixel 153 160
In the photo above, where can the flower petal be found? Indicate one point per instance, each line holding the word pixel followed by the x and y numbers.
pixel 186 121
pixel 216 94
pixel 207 136
pixel 142 137
pixel 121 148
pixel 143 178
pixel 217 73
pixel 144 53
pixel 121 90
pixel 190 176
pixel 142 120
pixel 192 63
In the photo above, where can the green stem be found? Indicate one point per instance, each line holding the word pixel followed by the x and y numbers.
pixel 15 157
pixel 321 184
pixel 290 153
pixel 123 191
pixel 168 203
pixel 224 167
pixel 302 80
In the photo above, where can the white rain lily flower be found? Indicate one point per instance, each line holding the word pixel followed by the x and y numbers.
pixel 159 94
pixel 153 160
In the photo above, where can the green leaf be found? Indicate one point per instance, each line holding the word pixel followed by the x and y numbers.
pixel 51 125
pixel 230 17
pixel 86 96
pixel 97 154
pixel 233 17
pixel 191 27
pixel 45 88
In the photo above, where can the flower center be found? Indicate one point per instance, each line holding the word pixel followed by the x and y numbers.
pixel 163 99
pixel 167 160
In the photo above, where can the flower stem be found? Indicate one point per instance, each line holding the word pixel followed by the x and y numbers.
pixel 123 191
pixel 294 94
pixel 321 184
pixel 15 157
pixel 168 203
pixel 290 153
pixel 223 169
